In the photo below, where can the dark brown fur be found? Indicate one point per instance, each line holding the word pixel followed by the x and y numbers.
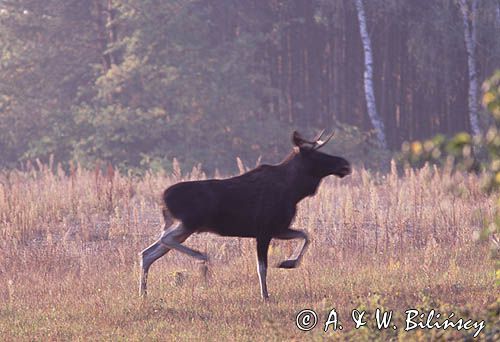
pixel 260 202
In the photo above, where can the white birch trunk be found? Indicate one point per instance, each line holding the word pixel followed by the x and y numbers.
pixel 469 16
pixel 498 13
pixel 376 121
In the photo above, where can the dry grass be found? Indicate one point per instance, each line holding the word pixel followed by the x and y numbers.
pixel 69 264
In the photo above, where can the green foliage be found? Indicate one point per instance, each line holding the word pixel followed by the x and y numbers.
pixel 491 101
pixel 179 91
pixel 463 151
pixel 439 150
pixel 466 153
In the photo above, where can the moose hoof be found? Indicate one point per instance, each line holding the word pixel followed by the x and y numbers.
pixel 288 264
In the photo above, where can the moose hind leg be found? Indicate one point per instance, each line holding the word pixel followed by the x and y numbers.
pixel 297 255
pixel 173 240
pixel 262 248
pixel 148 257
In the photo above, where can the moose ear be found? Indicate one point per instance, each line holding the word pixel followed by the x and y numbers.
pixel 297 139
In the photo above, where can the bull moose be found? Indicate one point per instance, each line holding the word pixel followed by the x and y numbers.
pixel 259 204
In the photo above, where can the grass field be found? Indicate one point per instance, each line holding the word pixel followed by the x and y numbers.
pixel 69 261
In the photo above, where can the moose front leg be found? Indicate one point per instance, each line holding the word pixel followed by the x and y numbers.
pixel 262 248
pixel 299 251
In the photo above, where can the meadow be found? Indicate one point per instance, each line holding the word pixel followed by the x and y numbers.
pixel 69 263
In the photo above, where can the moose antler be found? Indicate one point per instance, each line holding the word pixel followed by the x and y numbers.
pixel 319 143
pixel 315 144
pixel 319 136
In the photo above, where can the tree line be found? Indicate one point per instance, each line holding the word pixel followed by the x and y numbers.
pixel 139 82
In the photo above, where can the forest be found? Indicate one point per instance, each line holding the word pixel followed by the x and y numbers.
pixel 137 83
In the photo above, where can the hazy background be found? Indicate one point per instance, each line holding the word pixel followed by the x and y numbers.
pixel 139 82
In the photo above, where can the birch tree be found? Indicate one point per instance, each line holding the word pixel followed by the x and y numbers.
pixel 375 119
pixel 469 16
pixel 497 12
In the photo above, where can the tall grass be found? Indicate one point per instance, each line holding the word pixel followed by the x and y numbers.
pixel 69 248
